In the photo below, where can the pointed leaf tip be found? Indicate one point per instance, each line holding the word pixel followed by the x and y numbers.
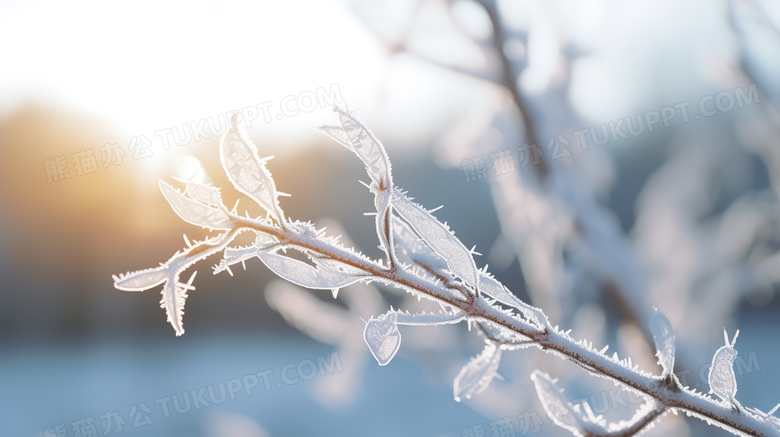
pixel 665 341
pixel 368 148
pixel 141 280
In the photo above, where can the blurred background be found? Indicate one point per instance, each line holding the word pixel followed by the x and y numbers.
pixel 98 101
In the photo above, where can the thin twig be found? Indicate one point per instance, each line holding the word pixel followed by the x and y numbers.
pixel 509 81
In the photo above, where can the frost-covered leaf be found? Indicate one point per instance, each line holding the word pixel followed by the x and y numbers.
pixel 490 286
pixel 354 135
pixel 477 374
pixel 418 252
pixel 383 337
pixel 140 280
pixel 204 194
pixel 368 148
pixel 414 248
pixel 721 378
pixel 438 237
pixel 195 212
pixel 174 294
pixel 497 291
pixel 337 133
pixel 580 420
pixel 558 408
pixel 664 338
pixel 247 171
pixel 323 277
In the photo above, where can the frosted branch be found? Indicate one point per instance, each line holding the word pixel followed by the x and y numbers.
pixel 333 266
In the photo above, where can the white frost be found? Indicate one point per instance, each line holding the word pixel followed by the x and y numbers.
pixel 722 380
pixel 247 171
pixel 414 248
pixel 323 277
pixel 490 286
pixel 383 337
pixel 195 212
pixel 367 147
pixel 204 194
pixel 424 319
pixel 141 280
pixel 438 237
pixel 558 408
pixel 337 133
pixel 664 339
pixel 477 374
pixel 235 255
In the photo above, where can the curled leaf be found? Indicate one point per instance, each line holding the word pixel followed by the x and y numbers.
pixel 383 337
pixel 247 171
pixel 664 339
pixel 367 147
pixel 357 137
pixel 490 286
pixel 477 374
pixel 195 212
pixel 438 237
pixel 558 408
